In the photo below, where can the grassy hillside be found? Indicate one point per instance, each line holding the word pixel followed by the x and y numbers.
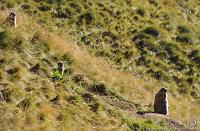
pixel 144 46
pixel 156 38
pixel 35 96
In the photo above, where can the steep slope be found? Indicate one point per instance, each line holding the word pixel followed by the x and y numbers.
pixel 35 96
pixel 124 83
pixel 158 39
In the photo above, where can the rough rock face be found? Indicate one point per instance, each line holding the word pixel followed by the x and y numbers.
pixel 161 102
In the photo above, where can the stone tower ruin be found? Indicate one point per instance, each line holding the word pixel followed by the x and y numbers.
pixel 161 102
pixel 11 19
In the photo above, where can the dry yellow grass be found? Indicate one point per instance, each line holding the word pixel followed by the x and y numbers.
pixel 130 86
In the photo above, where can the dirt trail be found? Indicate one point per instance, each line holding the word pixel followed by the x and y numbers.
pixel 130 109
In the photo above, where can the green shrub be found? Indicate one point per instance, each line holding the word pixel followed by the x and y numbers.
pixel 57 76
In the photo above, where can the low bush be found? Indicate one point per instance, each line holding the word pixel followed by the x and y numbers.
pixel 44 8
pixel 183 29
pixel 153 31
pixel 6 39
pixel 99 89
pixel 184 38
pixel 57 76
pixel 140 12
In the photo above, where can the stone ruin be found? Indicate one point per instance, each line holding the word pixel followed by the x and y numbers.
pixel 61 68
pixel 161 102
pixel 11 19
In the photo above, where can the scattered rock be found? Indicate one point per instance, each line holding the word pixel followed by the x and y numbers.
pixel 161 102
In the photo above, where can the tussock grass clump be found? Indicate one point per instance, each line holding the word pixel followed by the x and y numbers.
pixel 44 7
pixel 73 99
pixel 140 12
pixel 88 98
pixel 184 38
pixel 183 29
pixel 153 31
